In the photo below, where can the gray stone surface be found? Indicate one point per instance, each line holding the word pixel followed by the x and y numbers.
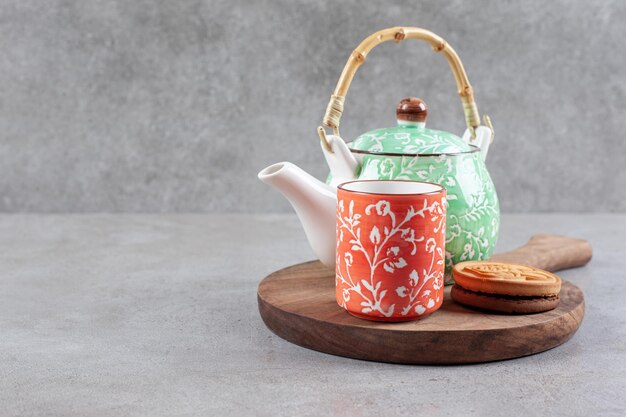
pixel 175 106
pixel 150 315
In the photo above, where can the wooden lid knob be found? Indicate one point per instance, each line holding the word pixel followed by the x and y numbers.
pixel 412 109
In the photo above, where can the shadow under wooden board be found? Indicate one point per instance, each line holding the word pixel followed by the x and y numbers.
pixel 298 304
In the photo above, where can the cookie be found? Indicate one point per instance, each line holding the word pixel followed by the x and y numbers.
pixel 506 279
pixel 506 288
pixel 503 303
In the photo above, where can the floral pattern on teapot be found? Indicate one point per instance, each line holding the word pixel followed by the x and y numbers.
pixel 473 211
pixel 409 139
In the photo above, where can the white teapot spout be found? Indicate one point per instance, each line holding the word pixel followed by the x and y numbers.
pixel 342 164
pixel 314 202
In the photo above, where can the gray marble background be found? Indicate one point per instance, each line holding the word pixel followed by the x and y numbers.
pixel 167 106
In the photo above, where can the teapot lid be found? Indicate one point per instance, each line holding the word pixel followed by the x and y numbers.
pixel 411 136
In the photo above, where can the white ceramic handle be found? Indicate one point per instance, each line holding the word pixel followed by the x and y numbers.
pixel 482 139
pixel 343 165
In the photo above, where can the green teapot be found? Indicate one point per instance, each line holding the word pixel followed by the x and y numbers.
pixel 408 151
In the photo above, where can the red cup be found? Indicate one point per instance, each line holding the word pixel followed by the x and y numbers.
pixel 390 249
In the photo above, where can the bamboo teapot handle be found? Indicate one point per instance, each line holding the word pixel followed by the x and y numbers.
pixel 397 34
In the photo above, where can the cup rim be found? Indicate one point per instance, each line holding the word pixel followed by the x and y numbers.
pixel 441 188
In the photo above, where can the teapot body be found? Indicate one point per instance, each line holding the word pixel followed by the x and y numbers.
pixel 473 215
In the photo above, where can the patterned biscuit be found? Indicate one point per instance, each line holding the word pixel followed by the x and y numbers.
pixel 507 279
pixel 503 303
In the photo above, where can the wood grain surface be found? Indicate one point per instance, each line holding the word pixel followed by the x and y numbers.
pixel 550 252
pixel 298 304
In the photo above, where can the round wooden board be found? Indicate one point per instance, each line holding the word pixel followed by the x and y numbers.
pixel 298 304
